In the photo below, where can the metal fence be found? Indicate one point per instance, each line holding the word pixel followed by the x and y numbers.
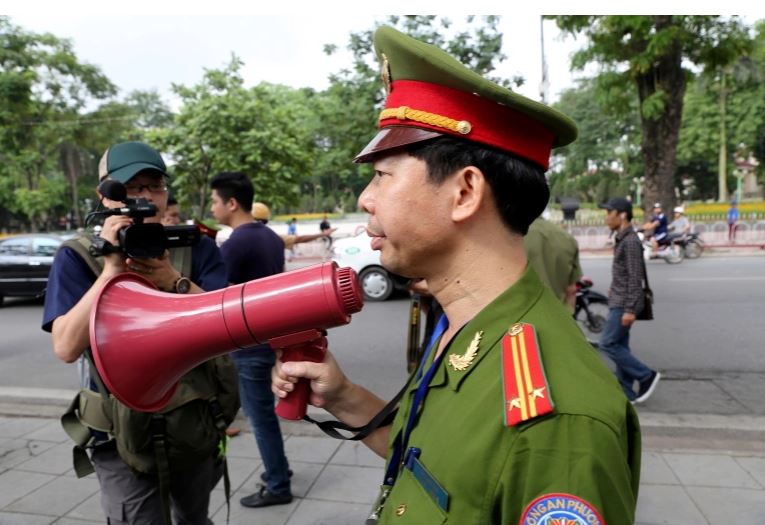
pixel 595 237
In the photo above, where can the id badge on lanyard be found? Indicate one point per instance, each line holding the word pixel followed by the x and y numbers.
pixel 401 445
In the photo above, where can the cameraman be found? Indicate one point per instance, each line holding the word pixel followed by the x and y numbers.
pixel 128 496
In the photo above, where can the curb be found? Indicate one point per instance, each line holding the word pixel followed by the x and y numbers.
pixel 51 402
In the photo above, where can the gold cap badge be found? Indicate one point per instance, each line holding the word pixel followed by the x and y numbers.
pixel 385 73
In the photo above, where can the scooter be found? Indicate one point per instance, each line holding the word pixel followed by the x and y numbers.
pixel 591 308
pixel 691 244
pixel 671 251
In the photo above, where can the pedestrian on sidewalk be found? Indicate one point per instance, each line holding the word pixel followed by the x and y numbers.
pixel 262 214
pixel 733 217
pixel 512 418
pixel 254 251
pixel 625 300
pixel 292 231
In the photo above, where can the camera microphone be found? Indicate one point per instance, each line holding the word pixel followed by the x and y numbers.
pixel 113 190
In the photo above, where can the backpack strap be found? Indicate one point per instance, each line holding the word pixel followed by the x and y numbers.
pixel 81 245
pixel 81 436
pixel 88 410
pixel 219 417
pixel 159 438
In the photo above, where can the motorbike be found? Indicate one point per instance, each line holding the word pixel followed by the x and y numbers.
pixel 691 244
pixel 669 249
pixel 591 308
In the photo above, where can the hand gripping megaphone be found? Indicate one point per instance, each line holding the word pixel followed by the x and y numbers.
pixel 144 340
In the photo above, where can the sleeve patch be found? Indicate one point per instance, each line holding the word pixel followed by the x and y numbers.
pixel 560 509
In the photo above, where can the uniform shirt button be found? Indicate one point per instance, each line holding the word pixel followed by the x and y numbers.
pixel 401 509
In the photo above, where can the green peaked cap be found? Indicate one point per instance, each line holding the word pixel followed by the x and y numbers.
pixel 407 58
pixel 410 59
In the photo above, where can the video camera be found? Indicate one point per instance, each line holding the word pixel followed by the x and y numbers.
pixel 139 240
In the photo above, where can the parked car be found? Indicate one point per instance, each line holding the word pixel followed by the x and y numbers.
pixel 376 282
pixel 25 261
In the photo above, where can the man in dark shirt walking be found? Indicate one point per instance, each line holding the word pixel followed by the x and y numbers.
pixel 251 252
pixel 625 300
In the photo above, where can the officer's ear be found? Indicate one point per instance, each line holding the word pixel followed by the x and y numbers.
pixel 470 190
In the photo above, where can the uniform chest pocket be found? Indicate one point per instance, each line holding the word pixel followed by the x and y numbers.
pixel 409 503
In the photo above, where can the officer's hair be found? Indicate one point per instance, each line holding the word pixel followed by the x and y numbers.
pixel 519 186
pixel 234 184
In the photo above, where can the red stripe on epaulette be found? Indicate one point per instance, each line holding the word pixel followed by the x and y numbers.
pixel 527 394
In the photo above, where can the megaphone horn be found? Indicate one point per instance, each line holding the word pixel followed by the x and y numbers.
pixel 144 340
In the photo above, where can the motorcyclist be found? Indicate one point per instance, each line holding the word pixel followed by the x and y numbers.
pixel 658 225
pixel 680 224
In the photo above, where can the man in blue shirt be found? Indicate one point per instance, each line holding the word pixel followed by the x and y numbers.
pixel 251 252
pixel 733 217
pixel 658 224
pixel 128 496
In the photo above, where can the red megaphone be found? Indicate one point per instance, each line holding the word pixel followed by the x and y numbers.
pixel 144 340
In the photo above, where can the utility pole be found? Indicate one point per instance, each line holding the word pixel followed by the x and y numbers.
pixel 544 85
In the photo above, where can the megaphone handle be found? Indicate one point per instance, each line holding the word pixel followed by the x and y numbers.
pixel 294 406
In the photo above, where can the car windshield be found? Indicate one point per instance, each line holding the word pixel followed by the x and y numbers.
pixel 44 246
pixel 15 246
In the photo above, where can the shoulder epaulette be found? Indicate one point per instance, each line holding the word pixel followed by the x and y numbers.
pixel 527 394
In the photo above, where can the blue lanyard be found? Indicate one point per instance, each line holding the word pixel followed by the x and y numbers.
pixel 392 472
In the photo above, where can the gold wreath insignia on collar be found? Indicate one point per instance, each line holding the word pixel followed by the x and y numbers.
pixel 462 362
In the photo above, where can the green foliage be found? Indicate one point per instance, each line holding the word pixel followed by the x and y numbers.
pixel 43 89
pixel 648 53
pixel 223 126
pixel 605 158
pixel 643 115
pixel 699 146
pixel 38 203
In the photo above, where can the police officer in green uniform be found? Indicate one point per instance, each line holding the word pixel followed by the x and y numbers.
pixel 511 417
pixel 554 254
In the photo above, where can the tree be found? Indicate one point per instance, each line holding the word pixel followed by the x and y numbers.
pixel 43 87
pixel 708 133
pixel 645 54
pixel 604 159
pixel 223 126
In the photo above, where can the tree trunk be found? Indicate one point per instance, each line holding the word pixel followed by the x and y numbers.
pixel 661 134
pixel 722 182
pixel 72 164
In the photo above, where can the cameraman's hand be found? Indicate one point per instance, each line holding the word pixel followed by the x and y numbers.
pixel 114 263
pixel 160 270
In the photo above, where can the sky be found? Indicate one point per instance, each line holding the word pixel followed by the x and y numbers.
pixel 175 41
pixel 152 51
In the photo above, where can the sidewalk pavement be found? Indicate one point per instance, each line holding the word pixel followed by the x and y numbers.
pixel 703 462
